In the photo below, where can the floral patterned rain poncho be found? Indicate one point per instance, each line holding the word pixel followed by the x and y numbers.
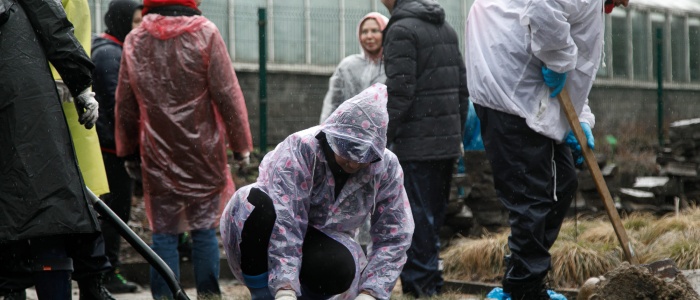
pixel 297 177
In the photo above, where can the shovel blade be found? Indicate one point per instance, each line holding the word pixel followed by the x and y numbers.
pixel 665 268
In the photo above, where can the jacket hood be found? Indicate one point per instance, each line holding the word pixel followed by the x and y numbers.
pixel 382 21
pixel 357 128
pixel 428 10
pixel 166 27
pixel 119 17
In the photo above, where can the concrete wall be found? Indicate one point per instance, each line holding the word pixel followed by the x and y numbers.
pixel 295 100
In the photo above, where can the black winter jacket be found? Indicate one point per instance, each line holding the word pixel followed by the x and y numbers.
pixel 106 55
pixel 426 81
pixel 41 190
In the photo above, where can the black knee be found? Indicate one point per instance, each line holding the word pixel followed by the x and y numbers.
pixel 256 232
pixel 328 267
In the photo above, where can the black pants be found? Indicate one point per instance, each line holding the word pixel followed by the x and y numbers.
pixel 535 179
pixel 85 250
pixel 427 186
pixel 119 200
pixel 327 268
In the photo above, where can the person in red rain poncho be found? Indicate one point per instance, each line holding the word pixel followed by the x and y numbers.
pixel 178 103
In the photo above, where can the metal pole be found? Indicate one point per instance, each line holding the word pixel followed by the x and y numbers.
pixel 262 42
pixel 138 244
pixel 660 85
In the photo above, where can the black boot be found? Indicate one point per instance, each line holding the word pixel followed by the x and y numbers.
pixel 536 291
pixel 92 288
pixel 117 284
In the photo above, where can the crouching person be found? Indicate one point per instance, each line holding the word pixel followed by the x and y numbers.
pixel 290 234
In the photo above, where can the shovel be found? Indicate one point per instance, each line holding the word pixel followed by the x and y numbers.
pixel 138 244
pixel 600 184
pixel 665 268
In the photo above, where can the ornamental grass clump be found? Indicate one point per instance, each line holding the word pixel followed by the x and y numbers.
pixel 682 247
pixel 649 234
pixel 573 263
pixel 476 259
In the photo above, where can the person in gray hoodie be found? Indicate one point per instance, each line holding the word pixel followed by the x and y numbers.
pixel 428 103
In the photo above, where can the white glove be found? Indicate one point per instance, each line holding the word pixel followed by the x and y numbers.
pixel 243 158
pixel 363 296
pixel 87 108
pixel 286 295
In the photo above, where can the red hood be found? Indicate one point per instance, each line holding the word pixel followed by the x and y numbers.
pixel 147 4
pixel 164 28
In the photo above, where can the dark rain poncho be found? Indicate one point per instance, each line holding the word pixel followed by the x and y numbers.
pixel 299 181
pixel 41 189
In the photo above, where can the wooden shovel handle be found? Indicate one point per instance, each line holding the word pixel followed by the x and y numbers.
pixel 600 184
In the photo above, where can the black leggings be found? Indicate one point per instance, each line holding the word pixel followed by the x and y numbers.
pixel 327 268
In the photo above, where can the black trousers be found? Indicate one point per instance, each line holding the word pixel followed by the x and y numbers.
pixel 428 188
pixel 86 251
pixel 119 200
pixel 327 268
pixel 535 179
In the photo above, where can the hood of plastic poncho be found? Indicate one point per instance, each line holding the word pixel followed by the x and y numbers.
pixel 381 21
pixel 361 120
pixel 167 27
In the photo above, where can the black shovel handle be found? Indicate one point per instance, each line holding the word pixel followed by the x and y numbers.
pixel 130 236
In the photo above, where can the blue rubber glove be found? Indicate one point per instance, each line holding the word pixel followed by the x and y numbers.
pixel 576 147
pixel 553 80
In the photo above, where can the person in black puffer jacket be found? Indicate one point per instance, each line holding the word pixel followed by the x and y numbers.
pixel 121 17
pixel 428 103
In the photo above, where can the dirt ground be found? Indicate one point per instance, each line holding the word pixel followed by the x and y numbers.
pixel 629 282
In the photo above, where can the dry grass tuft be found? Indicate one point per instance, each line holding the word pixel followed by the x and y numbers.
pixel 682 247
pixel 599 232
pixel 480 260
pixel 573 263
pixel 637 221
pixel 664 225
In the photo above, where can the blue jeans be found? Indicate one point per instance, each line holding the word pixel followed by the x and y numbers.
pixel 205 258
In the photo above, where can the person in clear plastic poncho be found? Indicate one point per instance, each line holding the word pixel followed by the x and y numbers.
pixel 313 193
pixel 358 71
pixel 178 105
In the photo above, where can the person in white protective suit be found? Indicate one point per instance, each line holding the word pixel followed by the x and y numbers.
pixel 519 56
pixel 358 71
pixel 290 234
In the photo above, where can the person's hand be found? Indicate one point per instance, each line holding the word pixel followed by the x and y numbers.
pixel 363 296
pixel 242 158
pixel 87 108
pixel 572 142
pixel 133 168
pixel 286 295
pixel 553 80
